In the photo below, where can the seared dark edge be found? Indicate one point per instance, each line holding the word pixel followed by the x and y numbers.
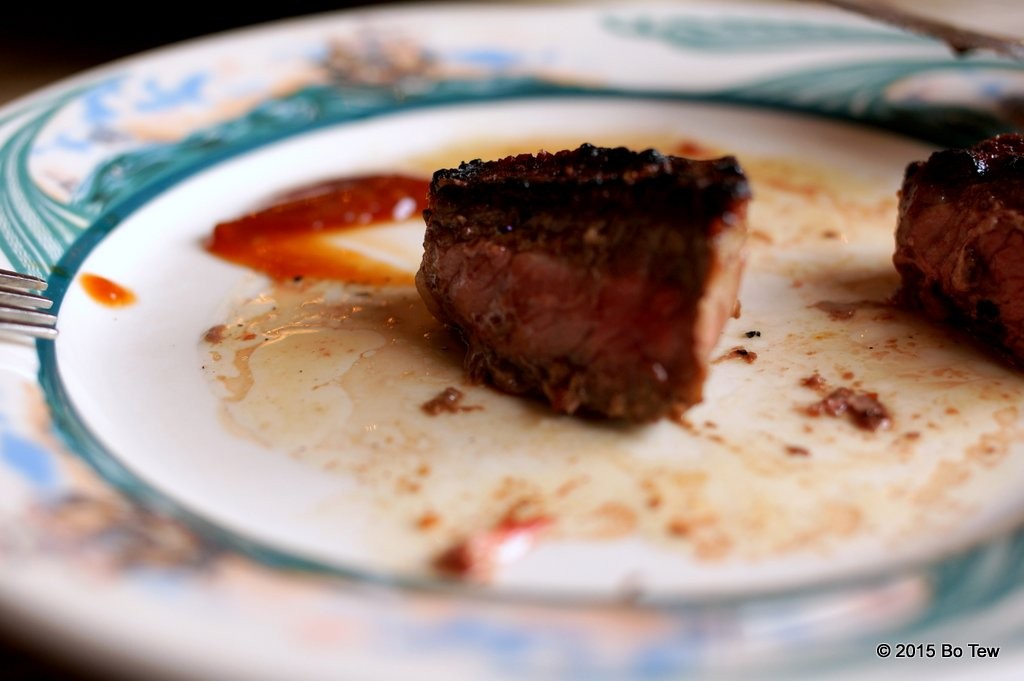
pixel 597 278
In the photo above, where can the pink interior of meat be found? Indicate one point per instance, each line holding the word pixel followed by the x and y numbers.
pixel 535 306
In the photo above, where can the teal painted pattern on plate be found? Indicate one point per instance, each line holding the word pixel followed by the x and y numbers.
pixel 49 235
pixel 35 229
pixel 739 35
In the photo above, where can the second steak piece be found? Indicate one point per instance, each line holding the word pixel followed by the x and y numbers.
pixel 960 240
pixel 596 278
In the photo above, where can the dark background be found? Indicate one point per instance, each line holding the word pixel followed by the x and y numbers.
pixel 101 31
pixel 41 43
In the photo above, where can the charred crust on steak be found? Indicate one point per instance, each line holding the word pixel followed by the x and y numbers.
pixel 596 278
pixel 960 241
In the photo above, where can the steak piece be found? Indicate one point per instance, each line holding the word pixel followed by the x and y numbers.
pixel 960 241
pixel 596 278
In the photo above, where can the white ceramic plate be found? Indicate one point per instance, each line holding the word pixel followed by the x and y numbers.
pixel 157 516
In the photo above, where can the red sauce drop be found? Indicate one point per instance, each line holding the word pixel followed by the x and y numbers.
pixel 288 239
pixel 106 292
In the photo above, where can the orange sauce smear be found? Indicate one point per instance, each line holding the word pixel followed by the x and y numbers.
pixel 105 291
pixel 289 239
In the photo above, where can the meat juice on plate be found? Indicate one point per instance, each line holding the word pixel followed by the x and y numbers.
pixel 335 370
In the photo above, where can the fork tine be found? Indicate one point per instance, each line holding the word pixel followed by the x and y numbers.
pixel 22 282
pixel 34 330
pixel 9 313
pixel 24 300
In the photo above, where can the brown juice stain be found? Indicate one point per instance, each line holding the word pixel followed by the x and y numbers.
pixel 334 375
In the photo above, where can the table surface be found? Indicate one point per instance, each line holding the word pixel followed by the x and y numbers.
pixel 37 49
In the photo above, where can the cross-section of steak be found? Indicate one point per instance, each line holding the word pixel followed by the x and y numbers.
pixel 596 278
pixel 960 240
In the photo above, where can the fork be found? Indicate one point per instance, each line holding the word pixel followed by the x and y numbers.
pixel 21 306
